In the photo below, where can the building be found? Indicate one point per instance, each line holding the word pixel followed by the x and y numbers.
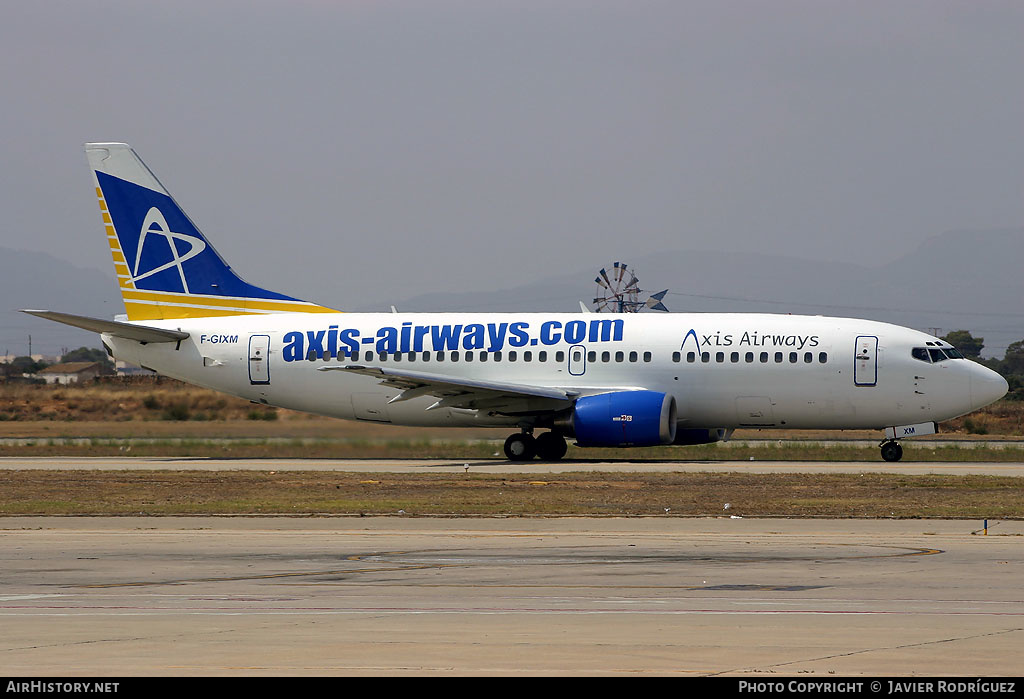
pixel 72 372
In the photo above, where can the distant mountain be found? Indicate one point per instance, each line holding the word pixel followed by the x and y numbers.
pixel 38 280
pixel 958 280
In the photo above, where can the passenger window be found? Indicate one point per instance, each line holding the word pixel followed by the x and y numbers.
pixel 647 356
pixel 691 357
pixel 620 356
pixel 606 356
pixel 398 357
pixel 368 357
pixel 440 356
pixel 719 356
pixel 469 356
pixel 764 357
pixel 633 356
pixel 382 356
pixel 311 355
pixel 808 357
pixel 412 357
pixel 591 356
pixel 734 357
pixel 455 356
pixel 497 356
pixel 749 357
pixel 823 357
pixel 559 356
pixel 778 357
pixel 527 356
pixel 542 356
pixel 425 357
pixel 512 356
pixel 342 355
pixel 705 356
pixel 483 356
pixel 792 357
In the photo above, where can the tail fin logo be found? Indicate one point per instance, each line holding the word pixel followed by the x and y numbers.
pixel 156 229
pixel 166 268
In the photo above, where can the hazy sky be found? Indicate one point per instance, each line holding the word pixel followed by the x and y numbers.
pixel 373 149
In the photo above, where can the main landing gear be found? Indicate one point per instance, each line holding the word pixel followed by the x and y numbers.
pixel 891 450
pixel 549 446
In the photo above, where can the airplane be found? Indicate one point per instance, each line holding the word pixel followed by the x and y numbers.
pixel 609 380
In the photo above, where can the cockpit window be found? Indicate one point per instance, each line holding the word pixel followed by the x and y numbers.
pixel 928 354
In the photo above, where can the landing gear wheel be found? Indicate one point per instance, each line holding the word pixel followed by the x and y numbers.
pixel 520 447
pixel 892 451
pixel 551 446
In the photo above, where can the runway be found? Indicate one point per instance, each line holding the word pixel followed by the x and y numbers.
pixel 502 466
pixel 567 596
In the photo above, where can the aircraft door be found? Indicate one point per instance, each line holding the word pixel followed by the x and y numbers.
pixel 865 361
pixel 577 360
pixel 259 359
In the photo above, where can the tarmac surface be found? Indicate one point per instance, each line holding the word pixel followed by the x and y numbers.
pixel 525 596
pixel 503 466
pixel 515 596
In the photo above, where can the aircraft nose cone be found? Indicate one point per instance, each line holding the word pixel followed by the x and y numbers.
pixel 987 387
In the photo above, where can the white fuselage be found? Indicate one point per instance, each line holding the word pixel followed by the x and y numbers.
pixel 724 370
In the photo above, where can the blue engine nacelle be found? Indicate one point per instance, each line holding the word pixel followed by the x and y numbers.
pixel 625 419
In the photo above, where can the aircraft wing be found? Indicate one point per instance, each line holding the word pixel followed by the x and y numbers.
pixel 455 392
pixel 129 331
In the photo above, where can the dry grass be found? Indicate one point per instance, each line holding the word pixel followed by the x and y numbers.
pixel 170 418
pixel 169 408
pixel 628 494
pixel 164 417
pixel 164 408
pixel 116 401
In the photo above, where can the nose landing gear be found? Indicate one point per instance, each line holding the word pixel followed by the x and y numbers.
pixel 891 450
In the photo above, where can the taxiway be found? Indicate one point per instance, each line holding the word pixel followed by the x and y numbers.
pixel 566 596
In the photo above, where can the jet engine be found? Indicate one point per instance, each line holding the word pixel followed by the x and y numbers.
pixel 624 419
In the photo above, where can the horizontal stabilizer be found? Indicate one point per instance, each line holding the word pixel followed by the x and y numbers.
pixel 129 331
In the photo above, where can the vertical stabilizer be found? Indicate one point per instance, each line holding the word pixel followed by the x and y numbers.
pixel 166 268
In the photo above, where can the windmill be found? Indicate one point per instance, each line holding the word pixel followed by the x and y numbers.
pixel 618 291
